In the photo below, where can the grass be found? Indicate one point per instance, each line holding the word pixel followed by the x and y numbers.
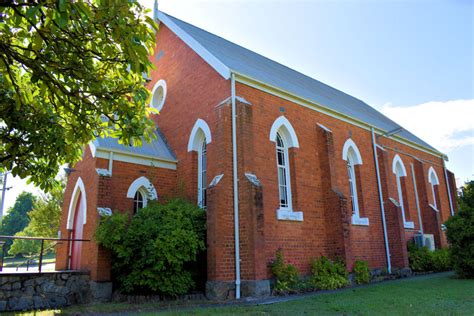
pixel 15 261
pixel 440 294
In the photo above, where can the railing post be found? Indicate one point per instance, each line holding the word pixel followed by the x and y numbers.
pixel 41 256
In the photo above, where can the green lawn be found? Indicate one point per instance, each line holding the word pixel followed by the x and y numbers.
pixel 15 261
pixel 439 294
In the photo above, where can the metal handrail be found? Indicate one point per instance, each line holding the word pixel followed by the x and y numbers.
pixel 40 262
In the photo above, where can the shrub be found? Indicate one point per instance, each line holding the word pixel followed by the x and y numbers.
pixel 151 252
pixel 328 275
pixel 361 272
pixel 441 260
pixel 286 275
pixel 423 260
pixel 460 233
pixel 419 258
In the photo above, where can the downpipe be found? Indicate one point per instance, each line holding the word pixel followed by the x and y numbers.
pixel 236 189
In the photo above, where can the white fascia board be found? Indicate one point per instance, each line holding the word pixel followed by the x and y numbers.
pixel 215 63
pixel 136 159
pixel 325 110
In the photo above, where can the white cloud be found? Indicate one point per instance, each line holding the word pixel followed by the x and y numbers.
pixel 445 125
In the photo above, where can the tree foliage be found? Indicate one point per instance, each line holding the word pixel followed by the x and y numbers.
pixel 70 71
pixel 17 218
pixel 154 252
pixel 460 233
pixel 44 222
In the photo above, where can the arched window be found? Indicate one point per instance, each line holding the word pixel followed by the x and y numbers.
pixel 139 202
pixel 400 172
pixel 141 191
pixel 284 136
pixel 351 154
pixel 284 182
pixel 433 180
pixel 202 174
pixel 198 140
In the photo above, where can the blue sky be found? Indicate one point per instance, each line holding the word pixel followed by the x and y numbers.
pixel 408 59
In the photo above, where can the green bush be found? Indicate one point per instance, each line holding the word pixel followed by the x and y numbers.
pixel 287 277
pixel 361 272
pixel 441 260
pixel 328 275
pixel 460 233
pixel 151 252
pixel 423 260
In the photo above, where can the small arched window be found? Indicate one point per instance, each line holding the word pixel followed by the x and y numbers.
pixel 141 191
pixel 139 202
pixel 202 174
pixel 283 173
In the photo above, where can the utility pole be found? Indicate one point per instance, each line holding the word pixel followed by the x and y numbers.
pixel 4 189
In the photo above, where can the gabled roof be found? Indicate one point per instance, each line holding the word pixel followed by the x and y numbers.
pixel 226 58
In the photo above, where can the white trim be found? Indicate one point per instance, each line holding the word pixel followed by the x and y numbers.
pixel 433 207
pixel 360 221
pixel 159 83
pixel 324 127
pixel 136 158
pixel 93 148
pixel 288 215
pixel 281 93
pixel 286 130
pixel 431 172
pixel 195 138
pixel 345 151
pixel 215 63
pixel 145 186
pixel 78 188
pixel 409 225
pixel 396 160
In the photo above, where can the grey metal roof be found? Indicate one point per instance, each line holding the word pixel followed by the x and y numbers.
pixel 157 148
pixel 258 67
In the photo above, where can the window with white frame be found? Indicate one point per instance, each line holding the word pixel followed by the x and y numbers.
pixel 141 191
pixel 352 184
pixel 284 136
pixel 400 173
pixel 351 154
pixel 158 95
pixel 433 180
pixel 202 174
pixel 284 186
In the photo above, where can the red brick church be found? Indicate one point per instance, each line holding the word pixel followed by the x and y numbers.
pixel 278 160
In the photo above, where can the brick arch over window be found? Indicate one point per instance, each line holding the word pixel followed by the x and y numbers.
pixel 79 192
pixel 286 130
pixel 199 132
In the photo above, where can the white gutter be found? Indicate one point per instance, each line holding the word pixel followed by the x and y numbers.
pixel 417 199
pixel 449 189
pixel 236 189
pixel 382 207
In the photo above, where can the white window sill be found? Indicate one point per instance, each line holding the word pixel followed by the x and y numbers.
pixel 286 214
pixel 361 221
pixel 409 225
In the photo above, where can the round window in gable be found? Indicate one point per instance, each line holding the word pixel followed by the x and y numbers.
pixel 158 95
